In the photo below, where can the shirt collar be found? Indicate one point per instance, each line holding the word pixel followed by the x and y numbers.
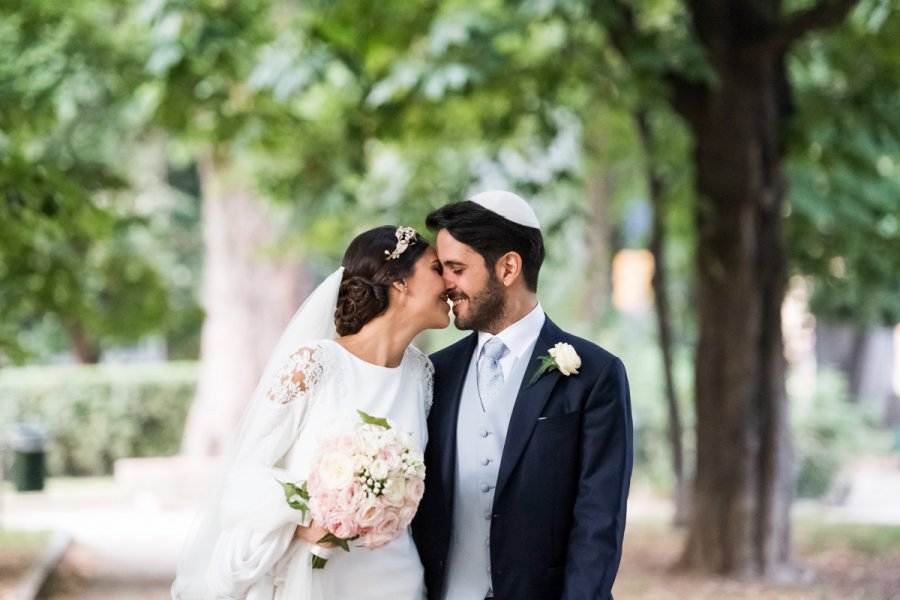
pixel 519 336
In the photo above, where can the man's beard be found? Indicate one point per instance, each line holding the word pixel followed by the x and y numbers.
pixel 486 308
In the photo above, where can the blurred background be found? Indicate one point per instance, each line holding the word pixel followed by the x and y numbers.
pixel 719 188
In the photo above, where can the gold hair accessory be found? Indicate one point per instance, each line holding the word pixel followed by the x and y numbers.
pixel 406 237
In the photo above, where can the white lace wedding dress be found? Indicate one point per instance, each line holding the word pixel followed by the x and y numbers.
pixel 256 555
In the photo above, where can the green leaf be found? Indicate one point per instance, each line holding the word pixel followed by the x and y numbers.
pixel 548 363
pixel 291 491
pixel 370 420
pixel 330 538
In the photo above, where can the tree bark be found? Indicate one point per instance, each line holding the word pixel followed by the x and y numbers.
pixel 248 297
pixel 85 352
pixel 598 290
pixel 657 190
pixel 743 485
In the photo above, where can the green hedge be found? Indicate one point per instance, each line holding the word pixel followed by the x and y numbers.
pixel 829 431
pixel 97 414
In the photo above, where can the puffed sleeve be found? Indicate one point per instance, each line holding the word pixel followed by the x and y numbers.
pixel 257 524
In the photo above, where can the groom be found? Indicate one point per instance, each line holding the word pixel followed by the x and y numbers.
pixel 528 469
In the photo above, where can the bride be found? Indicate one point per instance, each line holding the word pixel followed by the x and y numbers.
pixel 348 348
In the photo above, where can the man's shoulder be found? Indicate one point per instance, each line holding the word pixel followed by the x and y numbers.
pixel 594 358
pixel 453 353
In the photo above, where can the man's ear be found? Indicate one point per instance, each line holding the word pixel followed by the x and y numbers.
pixel 509 268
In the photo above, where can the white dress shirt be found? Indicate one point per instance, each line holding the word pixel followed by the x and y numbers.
pixel 518 338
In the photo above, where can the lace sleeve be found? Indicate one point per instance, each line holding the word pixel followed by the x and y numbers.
pixel 426 371
pixel 298 377
pixel 273 424
pixel 252 497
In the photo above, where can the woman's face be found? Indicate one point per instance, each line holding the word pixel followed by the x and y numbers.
pixel 426 293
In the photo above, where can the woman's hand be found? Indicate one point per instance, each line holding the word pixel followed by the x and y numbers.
pixel 312 534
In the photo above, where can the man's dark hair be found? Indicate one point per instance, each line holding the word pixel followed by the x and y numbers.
pixel 491 236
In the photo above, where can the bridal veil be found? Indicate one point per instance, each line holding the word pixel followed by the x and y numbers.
pixel 314 320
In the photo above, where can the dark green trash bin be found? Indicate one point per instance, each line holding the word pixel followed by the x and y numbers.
pixel 29 447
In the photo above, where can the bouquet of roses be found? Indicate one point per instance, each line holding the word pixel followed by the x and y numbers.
pixel 364 485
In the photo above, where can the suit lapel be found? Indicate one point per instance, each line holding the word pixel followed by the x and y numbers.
pixel 530 403
pixel 450 397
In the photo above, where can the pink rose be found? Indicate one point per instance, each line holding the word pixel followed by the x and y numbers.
pixel 415 489
pixel 389 523
pixel 349 498
pixel 348 444
pixel 327 445
pixel 342 524
pixel 321 503
pixel 386 530
pixel 313 482
pixel 407 512
pixel 370 513
pixel 391 455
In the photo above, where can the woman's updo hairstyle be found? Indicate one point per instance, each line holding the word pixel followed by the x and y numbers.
pixel 369 271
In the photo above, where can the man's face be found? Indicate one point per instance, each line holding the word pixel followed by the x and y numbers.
pixel 478 297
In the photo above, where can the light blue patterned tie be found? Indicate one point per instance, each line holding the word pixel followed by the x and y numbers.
pixel 490 376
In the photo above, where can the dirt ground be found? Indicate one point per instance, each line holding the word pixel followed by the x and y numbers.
pixel 846 563
pixel 80 576
pixel 18 551
pixel 839 571
pixel 13 565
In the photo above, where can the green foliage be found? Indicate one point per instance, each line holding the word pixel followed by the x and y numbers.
pixel 297 496
pixel 845 140
pixel 828 431
pixel 68 255
pixel 64 256
pixel 97 414
pixel 652 449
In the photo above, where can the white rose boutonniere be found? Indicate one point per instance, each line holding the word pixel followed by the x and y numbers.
pixel 561 357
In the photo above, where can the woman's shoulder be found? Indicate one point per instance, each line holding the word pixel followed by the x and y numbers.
pixel 419 359
pixel 304 369
pixel 424 370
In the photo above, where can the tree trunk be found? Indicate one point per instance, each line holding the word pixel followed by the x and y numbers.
pixel 248 297
pixel 598 290
pixel 743 485
pixel 84 351
pixel 657 189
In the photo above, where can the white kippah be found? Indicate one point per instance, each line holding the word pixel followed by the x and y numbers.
pixel 509 206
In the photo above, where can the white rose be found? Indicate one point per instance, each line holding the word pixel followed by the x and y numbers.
pixel 336 471
pixel 360 462
pixel 567 360
pixel 414 456
pixel 395 491
pixel 370 442
pixel 378 469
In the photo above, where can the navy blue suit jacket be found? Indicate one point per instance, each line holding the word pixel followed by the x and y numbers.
pixel 559 506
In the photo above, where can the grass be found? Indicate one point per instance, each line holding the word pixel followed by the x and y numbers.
pixel 869 540
pixel 18 551
pixel 11 540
